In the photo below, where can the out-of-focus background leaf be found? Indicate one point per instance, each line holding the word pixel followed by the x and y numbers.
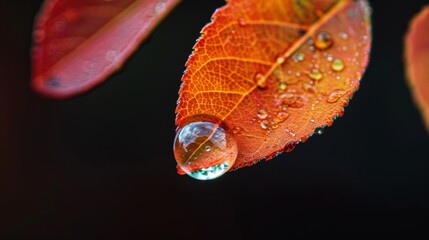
pixel 92 168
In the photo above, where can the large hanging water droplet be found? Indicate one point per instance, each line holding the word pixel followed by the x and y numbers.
pixel 204 150
pixel 323 40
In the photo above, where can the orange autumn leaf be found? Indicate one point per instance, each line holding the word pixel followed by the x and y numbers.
pixel 417 58
pixel 266 75
pixel 79 43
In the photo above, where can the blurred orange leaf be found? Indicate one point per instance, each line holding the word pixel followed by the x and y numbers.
pixel 271 73
pixel 417 59
pixel 79 43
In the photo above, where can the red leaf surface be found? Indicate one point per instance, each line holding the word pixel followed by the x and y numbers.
pixel 79 43
pixel 417 59
pixel 268 74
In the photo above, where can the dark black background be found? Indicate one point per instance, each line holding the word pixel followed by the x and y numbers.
pixel 101 166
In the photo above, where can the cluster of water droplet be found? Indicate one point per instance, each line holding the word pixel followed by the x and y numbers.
pixel 315 56
pixel 268 121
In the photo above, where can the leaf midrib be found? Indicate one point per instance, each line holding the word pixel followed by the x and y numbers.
pixel 338 7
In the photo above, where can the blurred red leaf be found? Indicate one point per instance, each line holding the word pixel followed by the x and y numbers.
pixel 417 59
pixel 79 43
pixel 271 73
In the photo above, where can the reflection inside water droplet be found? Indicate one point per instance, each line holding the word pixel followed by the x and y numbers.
pixel 204 150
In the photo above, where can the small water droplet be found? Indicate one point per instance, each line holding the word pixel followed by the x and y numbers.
pixel 291 100
pixel 280 60
pixel 343 35
pixel 337 65
pixel 242 22
pixel 260 80
pixel 208 161
pixel 265 124
pixel 236 129
pixel 312 121
pixel 283 106
pixel 111 56
pixel 282 86
pixel 315 74
pixel 335 95
pixel 274 125
pixel 323 40
pixel 319 130
pixel 300 57
pixel 281 117
pixel 330 58
pixel 262 113
pixel 289 147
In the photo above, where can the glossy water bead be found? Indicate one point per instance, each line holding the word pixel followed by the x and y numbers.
pixel 204 150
